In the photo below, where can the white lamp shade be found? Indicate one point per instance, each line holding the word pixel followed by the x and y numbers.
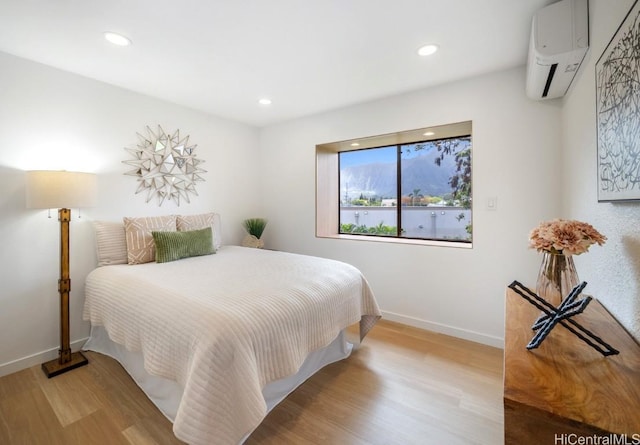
pixel 60 189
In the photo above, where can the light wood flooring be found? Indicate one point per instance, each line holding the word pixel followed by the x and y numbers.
pixel 402 386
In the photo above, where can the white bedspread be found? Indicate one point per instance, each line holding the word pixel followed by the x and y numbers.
pixel 224 325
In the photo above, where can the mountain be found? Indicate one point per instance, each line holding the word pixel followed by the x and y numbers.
pixel 379 179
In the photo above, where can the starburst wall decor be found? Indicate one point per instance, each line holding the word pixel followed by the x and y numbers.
pixel 165 165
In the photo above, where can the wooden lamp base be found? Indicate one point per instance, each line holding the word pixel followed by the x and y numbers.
pixel 56 367
pixel 66 360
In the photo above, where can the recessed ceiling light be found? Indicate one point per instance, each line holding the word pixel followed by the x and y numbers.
pixel 264 101
pixel 117 39
pixel 427 50
pixel 428 133
pixel 355 144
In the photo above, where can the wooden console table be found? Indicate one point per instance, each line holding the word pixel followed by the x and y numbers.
pixel 565 387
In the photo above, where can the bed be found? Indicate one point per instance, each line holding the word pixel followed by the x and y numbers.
pixel 217 340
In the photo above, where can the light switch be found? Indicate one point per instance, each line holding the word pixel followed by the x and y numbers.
pixel 492 203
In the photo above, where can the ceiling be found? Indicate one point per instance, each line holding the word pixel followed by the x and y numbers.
pixel 222 56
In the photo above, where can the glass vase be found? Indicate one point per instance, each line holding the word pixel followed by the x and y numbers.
pixel 557 277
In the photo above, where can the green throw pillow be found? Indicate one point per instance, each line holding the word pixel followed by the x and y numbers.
pixel 172 246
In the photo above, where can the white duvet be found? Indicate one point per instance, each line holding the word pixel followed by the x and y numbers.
pixel 225 325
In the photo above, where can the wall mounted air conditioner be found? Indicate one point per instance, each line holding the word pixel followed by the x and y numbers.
pixel 559 42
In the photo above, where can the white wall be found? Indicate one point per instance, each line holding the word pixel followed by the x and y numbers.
pixel 516 145
pixel 537 158
pixel 612 271
pixel 50 119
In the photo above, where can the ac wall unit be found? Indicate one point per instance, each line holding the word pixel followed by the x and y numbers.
pixel 559 42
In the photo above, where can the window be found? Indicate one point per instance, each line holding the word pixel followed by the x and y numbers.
pixel 405 186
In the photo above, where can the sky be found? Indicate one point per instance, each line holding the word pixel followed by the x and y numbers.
pixel 374 155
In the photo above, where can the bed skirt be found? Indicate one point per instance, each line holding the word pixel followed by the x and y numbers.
pixel 166 394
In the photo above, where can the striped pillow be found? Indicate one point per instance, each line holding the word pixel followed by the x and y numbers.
pixel 193 222
pixel 172 246
pixel 111 245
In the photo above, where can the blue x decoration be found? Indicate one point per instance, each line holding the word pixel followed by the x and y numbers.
pixel 552 316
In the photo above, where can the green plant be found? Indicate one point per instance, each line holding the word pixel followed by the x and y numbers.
pixel 380 229
pixel 255 226
pixel 347 227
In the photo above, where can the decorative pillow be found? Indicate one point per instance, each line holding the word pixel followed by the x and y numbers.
pixel 172 246
pixel 193 222
pixel 140 246
pixel 111 244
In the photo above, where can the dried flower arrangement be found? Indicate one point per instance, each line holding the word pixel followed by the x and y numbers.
pixel 568 237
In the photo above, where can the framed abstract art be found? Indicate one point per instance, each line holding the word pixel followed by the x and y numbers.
pixel 618 112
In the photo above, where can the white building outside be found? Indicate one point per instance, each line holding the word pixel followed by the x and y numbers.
pixel 433 222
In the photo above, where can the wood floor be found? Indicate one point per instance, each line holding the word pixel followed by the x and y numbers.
pixel 402 386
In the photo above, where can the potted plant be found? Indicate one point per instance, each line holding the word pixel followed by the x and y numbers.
pixel 254 227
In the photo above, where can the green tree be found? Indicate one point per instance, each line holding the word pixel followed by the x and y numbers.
pixel 460 182
pixel 415 195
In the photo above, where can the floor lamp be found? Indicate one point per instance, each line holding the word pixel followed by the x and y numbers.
pixel 62 190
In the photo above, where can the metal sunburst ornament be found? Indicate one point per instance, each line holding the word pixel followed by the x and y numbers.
pixel 165 165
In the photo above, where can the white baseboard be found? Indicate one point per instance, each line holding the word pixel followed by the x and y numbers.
pixel 445 329
pixel 36 359
pixel 45 356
